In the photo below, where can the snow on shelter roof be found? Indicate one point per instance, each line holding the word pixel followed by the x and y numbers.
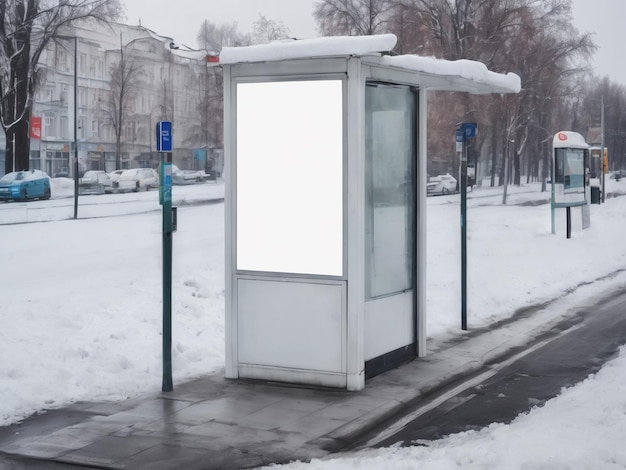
pixel 458 75
pixel 569 139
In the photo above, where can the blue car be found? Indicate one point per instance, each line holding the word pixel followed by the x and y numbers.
pixel 23 185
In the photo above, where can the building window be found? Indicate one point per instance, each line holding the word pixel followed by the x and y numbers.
pixel 81 128
pixel 49 129
pixel 64 128
pixel 82 63
pixel 61 60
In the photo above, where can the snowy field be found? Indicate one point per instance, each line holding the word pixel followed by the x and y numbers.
pixel 81 311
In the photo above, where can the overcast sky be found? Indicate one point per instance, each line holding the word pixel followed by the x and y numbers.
pixel 181 19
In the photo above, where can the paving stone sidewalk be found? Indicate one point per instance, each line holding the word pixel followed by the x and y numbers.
pixel 215 423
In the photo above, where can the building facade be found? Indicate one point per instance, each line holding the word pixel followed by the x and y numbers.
pixel 159 81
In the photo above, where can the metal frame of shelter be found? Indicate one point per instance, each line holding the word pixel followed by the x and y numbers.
pixel 313 326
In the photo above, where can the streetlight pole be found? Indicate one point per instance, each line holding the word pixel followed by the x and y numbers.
pixel 75 166
pixel 75 127
pixel 602 147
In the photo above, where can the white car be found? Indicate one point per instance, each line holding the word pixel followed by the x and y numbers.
pixel 95 182
pixel 441 184
pixel 187 176
pixel 115 175
pixel 137 179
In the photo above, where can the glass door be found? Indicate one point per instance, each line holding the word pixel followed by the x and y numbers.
pixel 390 215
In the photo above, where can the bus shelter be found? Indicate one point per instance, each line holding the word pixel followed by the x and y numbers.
pixel 570 178
pixel 325 205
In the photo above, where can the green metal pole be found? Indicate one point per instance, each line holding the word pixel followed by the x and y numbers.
pixel 166 200
pixel 552 206
pixel 463 188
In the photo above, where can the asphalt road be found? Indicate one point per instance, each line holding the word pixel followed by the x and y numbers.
pixel 577 349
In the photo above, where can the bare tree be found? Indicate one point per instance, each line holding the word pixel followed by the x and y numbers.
pixel 124 80
pixel 595 92
pixel 533 38
pixel 352 17
pixel 26 28
pixel 549 54
pixel 265 30
pixel 212 37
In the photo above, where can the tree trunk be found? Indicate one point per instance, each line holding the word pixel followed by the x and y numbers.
pixel 22 146
pixel 17 148
pixel 118 152
pixel 9 156
pixel 545 158
pixel 505 149
pixel 494 155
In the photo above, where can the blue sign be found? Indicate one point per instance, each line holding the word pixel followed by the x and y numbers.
pixel 460 137
pixel 165 190
pixel 469 129
pixel 199 155
pixel 167 174
pixel 164 136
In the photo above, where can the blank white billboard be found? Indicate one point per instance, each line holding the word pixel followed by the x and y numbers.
pixel 289 177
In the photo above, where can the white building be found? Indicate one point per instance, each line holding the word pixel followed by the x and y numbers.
pixel 169 83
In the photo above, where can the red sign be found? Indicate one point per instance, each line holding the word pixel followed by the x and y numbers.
pixel 35 127
pixel 562 137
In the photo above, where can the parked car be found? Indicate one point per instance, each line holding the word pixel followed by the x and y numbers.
pixel 62 173
pixel 187 176
pixel 115 175
pixel 95 182
pixel 137 179
pixel 441 184
pixel 23 185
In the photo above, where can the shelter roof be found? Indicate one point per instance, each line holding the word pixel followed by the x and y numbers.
pixel 569 139
pixel 439 74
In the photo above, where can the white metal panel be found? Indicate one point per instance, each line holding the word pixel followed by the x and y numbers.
pixel 356 223
pixel 291 324
pixel 294 376
pixel 293 69
pixel 420 249
pixel 389 324
pixel 230 309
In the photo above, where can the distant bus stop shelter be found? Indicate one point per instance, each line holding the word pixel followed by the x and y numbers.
pixel 325 205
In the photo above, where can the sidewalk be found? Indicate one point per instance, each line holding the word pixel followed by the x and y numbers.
pixel 214 423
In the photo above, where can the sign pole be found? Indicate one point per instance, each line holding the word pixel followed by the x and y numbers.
pixel 468 131
pixel 552 195
pixel 164 146
pixel 166 170
pixel 463 189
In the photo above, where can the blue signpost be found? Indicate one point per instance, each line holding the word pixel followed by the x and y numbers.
pixel 164 146
pixel 164 136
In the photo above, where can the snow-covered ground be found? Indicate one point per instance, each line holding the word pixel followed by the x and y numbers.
pixel 583 428
pixel 80 314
